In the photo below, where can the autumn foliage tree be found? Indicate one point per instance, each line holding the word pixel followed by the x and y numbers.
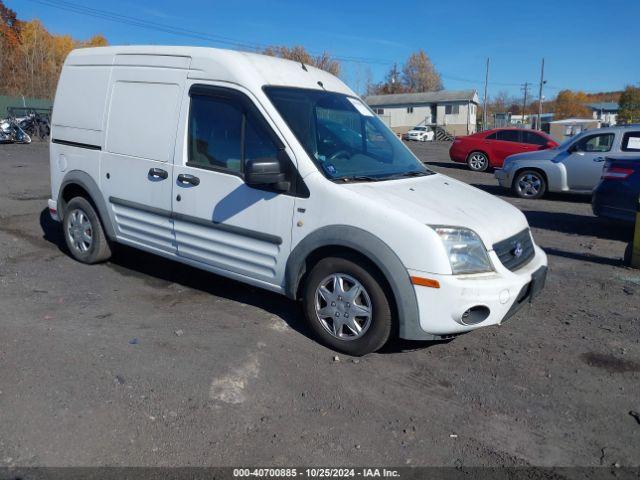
pixel 9 42
pixel 570 104
pixel 298 53
pixel 31 58
pixel 417 75
pixel 629 105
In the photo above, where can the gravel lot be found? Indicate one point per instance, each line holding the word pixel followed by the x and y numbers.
pixel 141 361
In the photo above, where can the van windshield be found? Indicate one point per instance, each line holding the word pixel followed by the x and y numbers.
pixel 343 137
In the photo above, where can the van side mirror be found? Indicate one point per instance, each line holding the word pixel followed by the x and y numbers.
pixel 266 172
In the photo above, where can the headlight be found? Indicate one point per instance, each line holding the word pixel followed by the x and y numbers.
pixel 464 248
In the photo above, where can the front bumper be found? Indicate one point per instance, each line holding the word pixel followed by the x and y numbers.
pixel 501 294
pixel 505 179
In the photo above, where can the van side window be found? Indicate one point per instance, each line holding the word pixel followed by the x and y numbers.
pixel 257 142
pixel 223 136
pixel 215 128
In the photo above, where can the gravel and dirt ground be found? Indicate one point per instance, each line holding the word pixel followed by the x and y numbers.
pixel 141 361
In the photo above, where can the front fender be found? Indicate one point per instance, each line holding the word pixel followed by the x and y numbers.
pixel 377 252
pixel 554 172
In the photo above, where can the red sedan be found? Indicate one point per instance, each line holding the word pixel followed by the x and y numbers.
pixel 489 148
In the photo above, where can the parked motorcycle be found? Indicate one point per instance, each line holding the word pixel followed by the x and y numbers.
pixel 36 125
pixel 12 132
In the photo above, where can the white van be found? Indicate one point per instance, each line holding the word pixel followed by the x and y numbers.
pixel 276 174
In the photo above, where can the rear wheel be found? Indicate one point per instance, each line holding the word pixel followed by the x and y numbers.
pixel 346 306
pixel 83 232
pixel 478 162
pixel 529 184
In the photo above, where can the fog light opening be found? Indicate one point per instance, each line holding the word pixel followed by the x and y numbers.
pixel 475 315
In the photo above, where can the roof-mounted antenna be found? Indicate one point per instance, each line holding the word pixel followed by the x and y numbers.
pixel 304 67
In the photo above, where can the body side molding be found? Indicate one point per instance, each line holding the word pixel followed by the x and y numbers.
pixel 76 144
pixel 265 237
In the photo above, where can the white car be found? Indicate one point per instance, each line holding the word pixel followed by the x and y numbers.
pixel 420 133
pixel 276 174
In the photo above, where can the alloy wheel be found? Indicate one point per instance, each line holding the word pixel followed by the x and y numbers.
pixel 529 185
pixel 343 306
pixel 79 231
pixel 478 161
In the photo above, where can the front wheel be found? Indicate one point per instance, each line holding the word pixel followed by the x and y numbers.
pixel 529 184
pixel 346 306
pixel 478 162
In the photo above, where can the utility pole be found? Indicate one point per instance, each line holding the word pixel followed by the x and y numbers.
pixel 394 78
pixel 542 82
pixel 525 87
pixel 484 103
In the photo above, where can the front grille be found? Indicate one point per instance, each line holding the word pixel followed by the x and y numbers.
pixel 507 250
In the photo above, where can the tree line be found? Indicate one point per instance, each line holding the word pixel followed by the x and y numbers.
pixel 31 57
pixel 570 104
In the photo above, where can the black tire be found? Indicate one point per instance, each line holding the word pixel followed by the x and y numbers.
pixel 628 253
pixel 529 184
pixel 478 161
pixel 97 249
pixel 380 324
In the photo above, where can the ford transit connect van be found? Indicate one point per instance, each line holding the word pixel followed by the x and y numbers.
pixel 276 174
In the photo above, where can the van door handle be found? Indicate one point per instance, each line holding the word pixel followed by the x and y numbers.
pixel 158 173
pixel 190 179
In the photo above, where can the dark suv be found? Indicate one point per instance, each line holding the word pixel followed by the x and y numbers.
pixel 618 193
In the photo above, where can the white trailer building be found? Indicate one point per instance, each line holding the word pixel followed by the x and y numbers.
pixel 454 111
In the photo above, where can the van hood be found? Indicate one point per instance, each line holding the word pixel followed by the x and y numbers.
pixel 440 200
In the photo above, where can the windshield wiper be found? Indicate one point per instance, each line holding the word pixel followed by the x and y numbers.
pixel 357 178
pixel 415 173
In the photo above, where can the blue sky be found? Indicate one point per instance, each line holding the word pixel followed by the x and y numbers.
pixel 587 44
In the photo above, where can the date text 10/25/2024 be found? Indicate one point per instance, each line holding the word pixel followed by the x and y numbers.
pixel 316 472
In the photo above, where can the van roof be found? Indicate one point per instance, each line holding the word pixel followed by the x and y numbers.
pixel 243 68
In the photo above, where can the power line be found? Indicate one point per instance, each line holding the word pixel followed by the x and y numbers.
pixel 133 21
pixel 219 39
pixel 179 31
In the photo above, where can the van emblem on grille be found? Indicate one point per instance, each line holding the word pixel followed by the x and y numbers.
pixel 517 251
